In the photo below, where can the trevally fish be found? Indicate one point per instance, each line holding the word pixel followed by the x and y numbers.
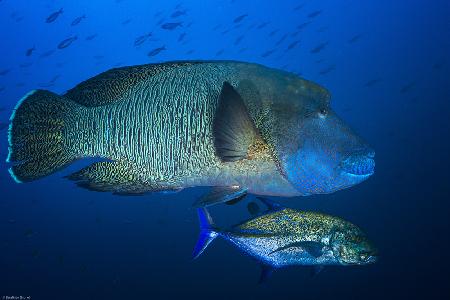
pixel 237 127
pixel 284 237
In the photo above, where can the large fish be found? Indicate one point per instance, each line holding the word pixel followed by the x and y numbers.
pixel 239 127
pixel 284 237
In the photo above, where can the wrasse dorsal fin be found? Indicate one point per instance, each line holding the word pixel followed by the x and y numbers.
pixel 233 129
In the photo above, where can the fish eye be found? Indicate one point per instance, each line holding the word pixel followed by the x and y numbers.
pixel 322 113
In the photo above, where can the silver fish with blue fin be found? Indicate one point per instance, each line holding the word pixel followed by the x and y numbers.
pixel 283 237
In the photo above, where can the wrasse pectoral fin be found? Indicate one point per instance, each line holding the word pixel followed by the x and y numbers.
pixel 221 194
pixel 233 128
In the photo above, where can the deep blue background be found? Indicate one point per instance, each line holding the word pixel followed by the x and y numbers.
pixel 61 242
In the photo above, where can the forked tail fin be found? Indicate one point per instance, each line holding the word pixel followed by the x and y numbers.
pixel 36 135
pixel 208 232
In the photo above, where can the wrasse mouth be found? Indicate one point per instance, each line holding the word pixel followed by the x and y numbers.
pixel 359 165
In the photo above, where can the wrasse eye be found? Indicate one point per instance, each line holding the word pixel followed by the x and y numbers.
pixel 322 113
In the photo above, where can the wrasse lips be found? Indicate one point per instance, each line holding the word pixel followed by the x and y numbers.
pixel 361 164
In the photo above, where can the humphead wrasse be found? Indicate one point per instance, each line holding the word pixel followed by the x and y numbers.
pixel 238 127
pixel 283 237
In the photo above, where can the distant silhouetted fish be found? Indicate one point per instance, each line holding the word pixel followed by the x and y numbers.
pixel 354 38
pixel 268 53
pixel 30 51
pixel 77 21
pixel 262 25
pixel 372 82
pixel 178 13
pixel 26 65
pixel 273 32
pixel 91 37
pixel 67 42
pixel 319 48
pixel 156 51
pixel 240 18
pixel 327 70
pixel 53 16
pixel 4 72
pixel 408 87
pixel 238 40
pixel 314 14
pixel 142 39
pixel 182 36
pixel 220 52
pixel 292 45
pixel 281 39
pixel 171 26
pixel 125 22
pixel 298 7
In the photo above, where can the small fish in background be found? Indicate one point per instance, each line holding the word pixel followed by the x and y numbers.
pixel 67 42
pixel 160 21
pixel 51 82
pixel 142 39
pixel 281 40
pixel 327 70
pixel 238 40
pixel 268 53
pixel 319 48
pixel 283 237
pixel 4 72
pixel 293 45
pixel 242 50
pixel 178 13
pixel 438 65
pixel 53 16
pixel 253 208
pixel 91 37
pixel 189 52
pixel 47 53
pixel 181 37
pixel 240 18
pixel 77 20
pixel 273 32
pixel 171 25
pixel 20 84
pixel 30 51
pixel 319 61
pixel 303 25
pixel 220 52
pixel 322 29
pixel 314 14
pixel 406 88
pixel 372 82
pixel 216 27
pixel 125 22
pixel 262 25
pixel 156 51
pixel 298 7
pixel 355 38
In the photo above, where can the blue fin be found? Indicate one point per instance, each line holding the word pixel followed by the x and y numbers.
pixel 272 206
pixel 266 272
pixel 220 194
pixel 208 232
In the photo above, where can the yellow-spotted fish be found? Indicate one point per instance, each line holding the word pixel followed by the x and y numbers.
pixel 238 127
pixel 284 237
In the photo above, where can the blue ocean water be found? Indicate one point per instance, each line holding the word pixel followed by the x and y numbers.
pixel 386 64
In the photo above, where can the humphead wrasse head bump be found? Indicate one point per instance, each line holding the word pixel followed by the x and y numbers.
pixel 317 151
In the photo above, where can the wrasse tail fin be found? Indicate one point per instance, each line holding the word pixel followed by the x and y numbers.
pixel 36 135
pixel 208 232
